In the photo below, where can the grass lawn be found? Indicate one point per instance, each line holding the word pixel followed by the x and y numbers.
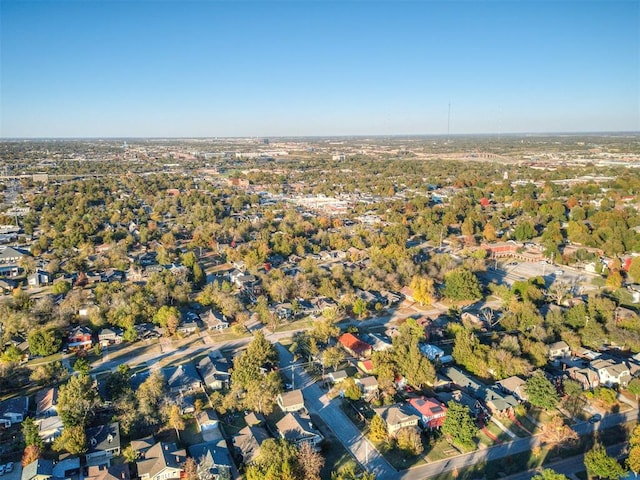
pixel 497 431
pixel 56 357
pixel 511 425
pixel 440 449
pixel 399 459
pixel 191 434
pixel 300 324
pixel 528 424
pixel 483 439
pixel 228 335
pixel 232 423
pixel 543 416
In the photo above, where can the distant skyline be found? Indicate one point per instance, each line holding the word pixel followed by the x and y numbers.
pixel 311 68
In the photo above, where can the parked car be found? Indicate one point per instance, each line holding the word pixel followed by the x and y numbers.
pixel 559 272
pixel 2 467
pixel 596 418
pixel 9 467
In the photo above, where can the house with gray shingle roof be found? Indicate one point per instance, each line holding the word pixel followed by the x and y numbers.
pixel 163 461
pixel 39 469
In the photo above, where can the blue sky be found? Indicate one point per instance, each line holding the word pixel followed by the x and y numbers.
pixel 161 68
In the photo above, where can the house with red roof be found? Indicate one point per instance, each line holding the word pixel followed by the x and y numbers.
pixel 355 346
pixel 432 412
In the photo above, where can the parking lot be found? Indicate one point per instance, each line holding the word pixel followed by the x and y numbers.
pixel 508 272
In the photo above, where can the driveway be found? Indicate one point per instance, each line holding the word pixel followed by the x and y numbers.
pixel 317 402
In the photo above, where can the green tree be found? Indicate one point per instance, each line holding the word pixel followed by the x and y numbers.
pixel 351 389
pixel 634 269
pixel 600 464
pixel 60 287
pixel 77 401
pixel 349 473
pixel 82 366
pixel 150 396
pixel 30 432
pixel 378 429
pixel 175 419
pixel 525 230
pixel 11 355
pixel 461 284
pixel 633 460
pixel 168 318
pixel 423 290
pixel 549 474
pixel 408 439
pixel 459 426
pixel 634 387
pixel 44 341
pixel 541 391
pixel 360 308
pixel 333 357
pixel 73 440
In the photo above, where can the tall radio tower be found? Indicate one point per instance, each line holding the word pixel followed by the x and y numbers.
pixel 449 122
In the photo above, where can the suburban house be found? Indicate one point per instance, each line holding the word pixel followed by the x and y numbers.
pixel 104 443
pixel 475 407
pixel 432 352
pixel 13 410
pixel 337 377
pixel 215 320
pixel 47 402
pixel 80 338
pixel 141 445
pixel 161 462
pixel 516 386
pixel 292 401
pixel 248 441
pixel 103 472
pixel 355 346
pixel 38 278
pixel 585 376
pixel 7 285
pixel 368 385
pixel 365 366
pixel 432 412
pixel 39 469
pixel 213 460
pixel 11 255
pixel 298 429
pixel 407 293
pixel 209 425
pixel 396 417
pixel 188 327
pixel 182 379
pixel 214 372
pixel 499 404
pixel 109 336
pixel 558 350
pixel 611 372
pixel 49 428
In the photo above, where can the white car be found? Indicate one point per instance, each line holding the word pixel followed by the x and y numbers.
pixel 559 272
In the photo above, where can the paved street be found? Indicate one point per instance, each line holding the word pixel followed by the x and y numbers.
pixel 359 447
pixel 317 402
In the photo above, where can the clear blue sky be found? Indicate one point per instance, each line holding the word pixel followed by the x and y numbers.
pixel 238 68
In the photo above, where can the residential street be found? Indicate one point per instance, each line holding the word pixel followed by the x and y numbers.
pixel 358 446
pixel 317 402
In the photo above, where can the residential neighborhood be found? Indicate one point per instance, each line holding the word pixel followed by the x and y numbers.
pixel 234 317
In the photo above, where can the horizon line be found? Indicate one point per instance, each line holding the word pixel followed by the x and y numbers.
pixel 404 135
